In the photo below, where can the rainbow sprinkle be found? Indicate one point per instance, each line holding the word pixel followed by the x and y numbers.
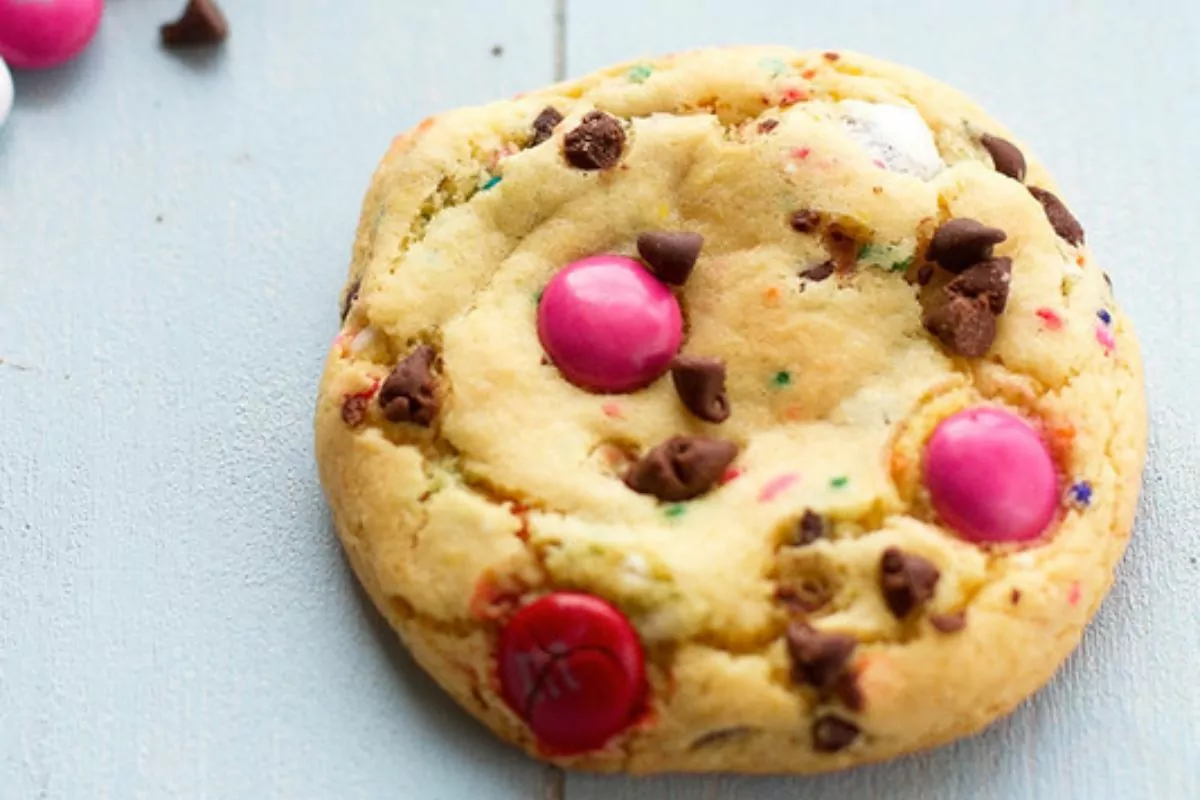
pixel 1104 316
pixel 1105 338
pixel 731 474
pixel 1053 320
pixel 839 482
pixel 782 378
pixel 490 182
pixel 773 66
pixel 777 486
pixel 1080 494
pixel 673 511
pixel 612 410
pixel 639 74
pixel 1074 593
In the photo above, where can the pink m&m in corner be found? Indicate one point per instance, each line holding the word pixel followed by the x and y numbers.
pixel 35 34
pixel 608 324
pixel 991 477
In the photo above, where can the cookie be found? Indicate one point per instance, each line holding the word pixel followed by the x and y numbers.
pixel 743 410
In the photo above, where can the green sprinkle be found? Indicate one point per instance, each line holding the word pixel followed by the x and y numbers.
pixel 864 251
pixel 639 74
pixel 782 378
pixel 773 66
pixel 489 183
pixel 537 296
pixel 902 266
pixel 674 511
pixel 839 482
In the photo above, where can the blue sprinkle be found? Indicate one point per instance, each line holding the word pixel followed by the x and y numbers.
pixel 489 183
pixel 1104 316
pixel 1080 494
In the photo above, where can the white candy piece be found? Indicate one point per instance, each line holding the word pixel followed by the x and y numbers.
pixel 895 135
pixel 6 92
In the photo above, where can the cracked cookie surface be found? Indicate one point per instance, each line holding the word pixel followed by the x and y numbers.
pixel 857 254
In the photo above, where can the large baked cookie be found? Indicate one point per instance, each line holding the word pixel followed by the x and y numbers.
pixel 741 410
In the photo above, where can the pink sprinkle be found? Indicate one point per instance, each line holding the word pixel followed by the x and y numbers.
pixel 612 410
pixel 1105 338
pixel 1053 321
pixel 1074 593
pixel 731 474
pixel 792 96
pixel 777 486
pixel 879 163
pixel 801 152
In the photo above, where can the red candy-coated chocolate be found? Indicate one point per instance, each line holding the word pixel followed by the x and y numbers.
pixel 45 33
pixel 990 476
pixel 572 666
pixel 608 324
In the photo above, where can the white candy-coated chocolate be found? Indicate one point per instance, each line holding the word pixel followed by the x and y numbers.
pixel 895 135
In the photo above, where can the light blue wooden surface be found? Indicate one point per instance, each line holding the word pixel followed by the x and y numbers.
pixel 175 618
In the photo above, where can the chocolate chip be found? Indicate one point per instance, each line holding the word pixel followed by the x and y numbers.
pixel 354 410
pixel 351 296
pixel 906 580
pixel 1014 596
pixel 201 24
pixel 596 143
pixel 843 246
pixel 818 659
pixel 818 273
pixel 989 280
pixel 407 394
pixel 681 468
pixel 959 243
pixel 768 125
pixel 831 734
pixel 1061 219
pixel 544 125
pixel 949 623
pixel 671 255
pixel 925 274
pixel 700 383
pixel 965 325
pixel 849 691
pixel 805 221
pixel 1007 159
pixel 809 528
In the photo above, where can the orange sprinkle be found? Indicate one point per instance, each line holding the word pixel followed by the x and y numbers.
pixel 808 74
pixel 1079 259
pixel 771 297
pixel 793 413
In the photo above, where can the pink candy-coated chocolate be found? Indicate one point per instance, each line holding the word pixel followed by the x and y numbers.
pixel 608 324
pixel 991 477
pixel 35 34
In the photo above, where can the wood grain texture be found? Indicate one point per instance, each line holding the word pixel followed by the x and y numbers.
pixel 1103 91
pixel 175 618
